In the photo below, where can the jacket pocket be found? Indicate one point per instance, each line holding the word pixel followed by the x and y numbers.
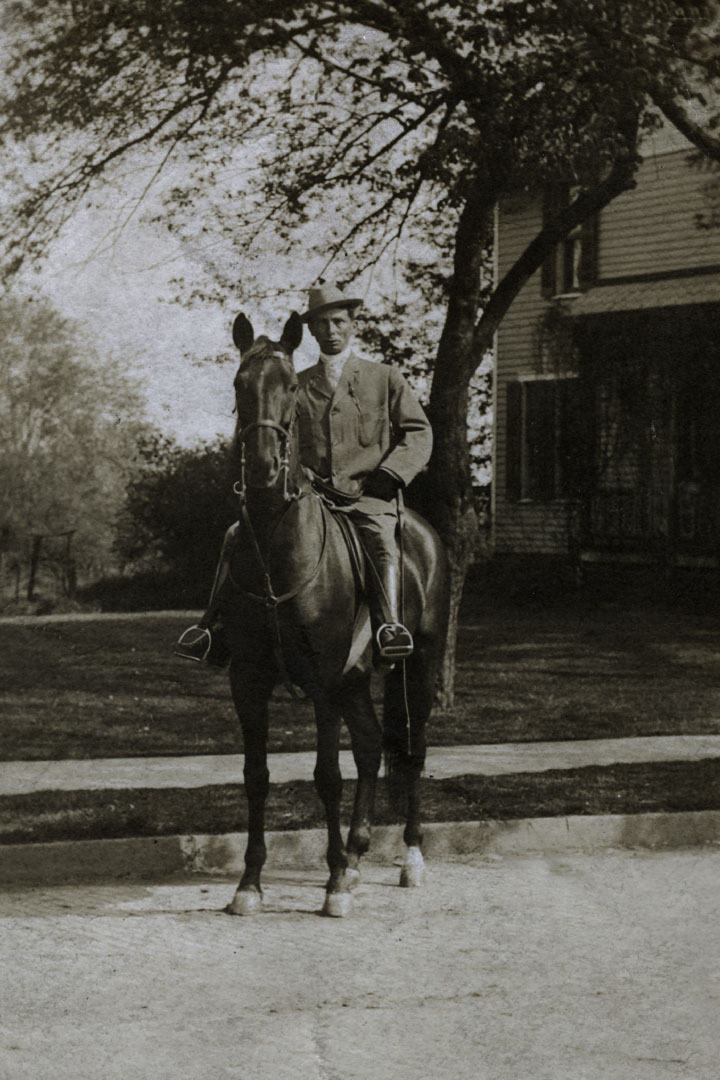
pixel 370 426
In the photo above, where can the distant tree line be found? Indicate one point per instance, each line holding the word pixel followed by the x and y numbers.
pixel 69 426
pixel 88 489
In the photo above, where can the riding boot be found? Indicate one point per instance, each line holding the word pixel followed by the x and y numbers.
pixel 205 640
pixel 393 639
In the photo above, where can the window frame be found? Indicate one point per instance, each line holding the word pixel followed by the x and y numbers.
pixel 559 460
pixel 572 265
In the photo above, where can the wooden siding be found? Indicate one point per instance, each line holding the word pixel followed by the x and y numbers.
pixel 648 230
pixel 520 526
pixel 652 229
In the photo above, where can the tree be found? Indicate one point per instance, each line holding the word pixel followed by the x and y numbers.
pixel 177 508
pixel 354 126
pixel 68 426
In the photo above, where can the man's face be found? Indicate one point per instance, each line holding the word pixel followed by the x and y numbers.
pixel 332 330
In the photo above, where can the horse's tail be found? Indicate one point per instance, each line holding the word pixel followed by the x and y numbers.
pixel 410 686
pixel 404 752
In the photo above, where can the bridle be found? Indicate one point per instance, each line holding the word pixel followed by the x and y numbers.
pixel 269 598
pixel 285 433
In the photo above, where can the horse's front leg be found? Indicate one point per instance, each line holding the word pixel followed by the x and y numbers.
pixel 359 714
pixel 328 782
pixel 251 694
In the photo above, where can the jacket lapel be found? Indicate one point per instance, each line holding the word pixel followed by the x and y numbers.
pixel 349 378
pixel 318 384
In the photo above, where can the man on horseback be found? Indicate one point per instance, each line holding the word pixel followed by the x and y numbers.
pixel 363 437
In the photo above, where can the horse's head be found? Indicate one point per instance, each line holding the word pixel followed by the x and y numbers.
pixel 266 398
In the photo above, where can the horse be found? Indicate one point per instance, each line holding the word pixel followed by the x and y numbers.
pixel 289 610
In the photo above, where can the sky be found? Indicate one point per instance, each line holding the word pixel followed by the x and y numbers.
pixel 121 293
pixel 112 270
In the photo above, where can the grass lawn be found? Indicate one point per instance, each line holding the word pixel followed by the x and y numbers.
pixel 617 789
pixel 111 688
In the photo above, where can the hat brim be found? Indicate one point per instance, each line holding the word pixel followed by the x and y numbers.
pixel 356 305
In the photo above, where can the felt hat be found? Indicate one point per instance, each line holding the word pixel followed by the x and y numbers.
pixel 323 297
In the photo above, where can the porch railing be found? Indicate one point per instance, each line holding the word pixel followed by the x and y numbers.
pixel 643 518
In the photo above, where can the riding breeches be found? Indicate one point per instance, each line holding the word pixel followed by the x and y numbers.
pixel 376 522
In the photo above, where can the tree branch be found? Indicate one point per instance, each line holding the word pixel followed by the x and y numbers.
pixel 314 53
pixel 386 147
pixel 589 201
pixel 675 112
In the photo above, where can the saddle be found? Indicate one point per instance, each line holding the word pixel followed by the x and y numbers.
pixel 338 503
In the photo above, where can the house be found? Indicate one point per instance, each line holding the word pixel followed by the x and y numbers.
pixel 607 377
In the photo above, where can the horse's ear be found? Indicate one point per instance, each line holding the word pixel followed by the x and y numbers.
pixel 292 333
pixel 243 333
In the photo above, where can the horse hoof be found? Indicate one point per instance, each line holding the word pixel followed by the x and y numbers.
pixel 411 878
pixel 413 872
pixel 352 877
pixel 337 904
pixel 245 902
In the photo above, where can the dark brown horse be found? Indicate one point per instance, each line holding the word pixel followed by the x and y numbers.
pixel 290 612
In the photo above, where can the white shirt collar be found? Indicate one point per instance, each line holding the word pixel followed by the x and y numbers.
pixel 337 360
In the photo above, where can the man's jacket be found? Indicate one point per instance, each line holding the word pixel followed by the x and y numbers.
pixel 372 418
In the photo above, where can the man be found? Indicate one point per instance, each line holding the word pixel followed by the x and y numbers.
pixel 364 436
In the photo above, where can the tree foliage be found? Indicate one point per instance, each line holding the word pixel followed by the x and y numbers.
pixel 375 134
pixel 68 427
pixel 177 508
pixel 409 104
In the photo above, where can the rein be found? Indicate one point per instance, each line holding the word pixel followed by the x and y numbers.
pixel 269 599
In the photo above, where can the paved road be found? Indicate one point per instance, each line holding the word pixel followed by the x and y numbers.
pixel 573 968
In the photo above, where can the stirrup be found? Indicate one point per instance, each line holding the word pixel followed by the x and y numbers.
pixel 195 648
pixel 400 643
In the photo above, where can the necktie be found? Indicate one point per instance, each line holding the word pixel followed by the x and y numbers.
pixel 333 370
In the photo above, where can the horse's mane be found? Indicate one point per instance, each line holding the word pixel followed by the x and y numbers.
pixel 262 350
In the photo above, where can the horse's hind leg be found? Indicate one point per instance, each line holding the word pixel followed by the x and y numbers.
pixel 251 691
pixel 366 737
pixel 408 702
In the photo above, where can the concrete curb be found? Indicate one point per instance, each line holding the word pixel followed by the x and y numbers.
pixel 159 856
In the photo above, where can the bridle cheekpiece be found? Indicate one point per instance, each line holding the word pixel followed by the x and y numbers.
pixel 285 433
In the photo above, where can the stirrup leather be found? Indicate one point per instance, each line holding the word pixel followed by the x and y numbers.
pixel 195 647
pixel 400 643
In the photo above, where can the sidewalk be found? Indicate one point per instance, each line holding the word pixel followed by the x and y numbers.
pixel 25 777
pixel 139 857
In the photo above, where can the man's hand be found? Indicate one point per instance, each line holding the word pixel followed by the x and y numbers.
pixel 381 484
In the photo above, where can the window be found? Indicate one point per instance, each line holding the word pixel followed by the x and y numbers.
pixel 550 439
pixel 572 266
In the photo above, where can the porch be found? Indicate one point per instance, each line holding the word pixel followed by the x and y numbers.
pixel 652 490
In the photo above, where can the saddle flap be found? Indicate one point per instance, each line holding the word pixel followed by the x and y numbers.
pixel 361 638
pixel 355 549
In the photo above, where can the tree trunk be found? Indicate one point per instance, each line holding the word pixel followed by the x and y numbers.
pixel 34 563
pixel 70 567
pixel 450 507
pixel 448 494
